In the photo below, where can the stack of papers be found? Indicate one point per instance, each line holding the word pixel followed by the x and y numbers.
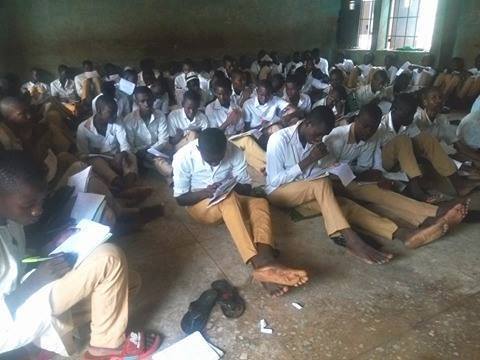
pixel 193 346
pixel 88 237
pixel 223 190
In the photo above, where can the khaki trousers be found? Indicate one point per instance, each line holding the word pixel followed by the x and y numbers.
pixel 247 219
pixel 428 147
pixel 470 88
pixel 254 154
pixel 108 170
pixel 318 194
pixel 91 88
pixel 399 152
pixel 448 83
pixel 412 211
pixel 100 284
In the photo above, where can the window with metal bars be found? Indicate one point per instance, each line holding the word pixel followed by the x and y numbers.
pixel 365 24
pixel 411 24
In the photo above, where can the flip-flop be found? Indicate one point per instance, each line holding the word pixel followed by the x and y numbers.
pixel 198 312
pixel 138 345
pixel 232 305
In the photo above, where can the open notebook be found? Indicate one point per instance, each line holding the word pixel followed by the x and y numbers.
pixel 89 235
pixel 192 347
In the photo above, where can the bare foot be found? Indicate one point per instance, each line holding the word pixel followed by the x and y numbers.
pixel 359 248
pixel 275 290
pixel 456 214
pixel 281 275
pixel 427 235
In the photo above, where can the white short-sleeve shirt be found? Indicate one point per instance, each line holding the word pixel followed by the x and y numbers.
pixel 271 111
pixel 89 141
pixel 387 132
pixel 217 114
pixel 141 134
pixel 440 127
pixel 178 120
pixel 65 93
pixel 191 172
pixel 468 130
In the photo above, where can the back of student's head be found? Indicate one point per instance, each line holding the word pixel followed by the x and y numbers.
pixel 402 82
pixel 266 84
pixel 62 68
pixel 293 79
pixel 301 74
pixel 87 63
pixel 223 83
pixel 17 168
pixel 407 102
pixel 307 55
pixel 192 96
pixel 373 113
pixel 321 116
pixel 142 90
pixel 108 88
pixel 104 101
pixel 277 81
pixel 212 141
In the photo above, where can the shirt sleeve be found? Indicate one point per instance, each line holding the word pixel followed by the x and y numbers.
pixel 121 136
pixel 182 174
pixel 162 131
pixel 247 115
pixel 82 141
pixel 53 90
pixel 240 166
pixel 172 131
pixel 277 173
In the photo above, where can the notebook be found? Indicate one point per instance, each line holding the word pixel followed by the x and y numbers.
pixel 194 346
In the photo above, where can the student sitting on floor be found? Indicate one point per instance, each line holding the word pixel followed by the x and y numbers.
pixel 256 66
pixel 319 62
pixel 147 66
pixel 343 64
pixel 124 106
pixel 360 75
pixel 265 110
pixel 390 67
pixel 147 129
pixel 277 65
pixel 228 64
pixel 278 85
pixel 228 117
pixel 102 142
pixel 402 142
pixel 471 87
pixel 63 90
pixel 193 84
pixel 356 145
pixel 180 81
pixel 337 78
pixel 160 94
pixel 37 308
pixel 295 63
pixel 335 100
pixel 199 169
pixel 240 91
pixel 376 90
pixel 87 83
pixel 468 134
pixel 293 95
pixel 423 74
pixel 185 123
pixel 37 91
pixel 293 156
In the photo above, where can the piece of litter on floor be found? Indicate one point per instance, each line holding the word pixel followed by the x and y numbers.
pixel 264 328
pixel 297 305
pixel 194 346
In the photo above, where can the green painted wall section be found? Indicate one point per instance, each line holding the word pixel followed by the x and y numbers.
pixel 467 42
pixel 49 32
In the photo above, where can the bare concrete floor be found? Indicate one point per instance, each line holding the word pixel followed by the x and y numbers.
pixel 425 304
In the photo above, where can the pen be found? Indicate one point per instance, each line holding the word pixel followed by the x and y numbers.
pixel 37 259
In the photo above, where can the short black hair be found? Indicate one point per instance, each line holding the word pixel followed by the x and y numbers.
pixel 336 71
pixel 341 91
pixel 87 62
pixel 224 83
pixel 266 84
pixel 405 100
pixel 277 81
pixel 212 141
pixel 62 67
pixel 192 96
pixel 145 90
pixel 108 88
pixel 381 73
pixel 105 100
pixel 293 79
pixel 235 73
pixel 321 115
pixel 372 110
pixel 17 167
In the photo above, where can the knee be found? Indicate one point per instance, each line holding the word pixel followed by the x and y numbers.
pixel 403 141
pixel 110 254
pixel 260 202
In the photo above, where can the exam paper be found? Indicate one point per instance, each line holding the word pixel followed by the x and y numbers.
pixel 126 86
pixel 223 190
pixel 344 173
pixel 84 241
pixel 80 180
pixel 86 206
pixel 193 346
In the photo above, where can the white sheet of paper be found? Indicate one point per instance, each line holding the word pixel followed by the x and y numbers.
pixel 457 163
pixel 126 86
pixel 86 206
pixel 223 190
pixel 256 133
pixel 91 74
pixel 396 176
pixel 157 153
pixel 84 241
pixel 80 180
pixel 344 173
pixel 193 346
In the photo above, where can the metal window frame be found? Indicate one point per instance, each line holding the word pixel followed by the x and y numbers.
pixel 394 5
pixel 370 20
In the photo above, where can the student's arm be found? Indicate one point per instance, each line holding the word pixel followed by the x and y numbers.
pixel 162 133
pixel 82 141
pixel 239 170
pixel 193 197
pixel 233 119
pixel 46 273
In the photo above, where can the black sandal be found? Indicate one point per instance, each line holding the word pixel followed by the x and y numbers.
pixel 233 306
pixel 198 312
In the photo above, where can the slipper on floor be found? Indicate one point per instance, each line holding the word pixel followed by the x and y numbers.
pixel 138 345
pixel 232 305
pixel 199 311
